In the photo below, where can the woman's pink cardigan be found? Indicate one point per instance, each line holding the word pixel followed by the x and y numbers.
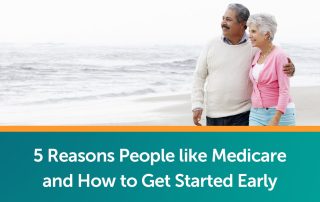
pixel 272 88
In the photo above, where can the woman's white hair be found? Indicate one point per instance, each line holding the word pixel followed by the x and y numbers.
pixel 265 23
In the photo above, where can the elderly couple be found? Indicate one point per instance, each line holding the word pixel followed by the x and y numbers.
pixel 233 68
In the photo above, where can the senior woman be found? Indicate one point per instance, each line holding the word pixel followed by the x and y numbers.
pixel 271 101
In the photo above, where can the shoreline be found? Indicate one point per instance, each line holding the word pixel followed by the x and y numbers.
pixel 152 110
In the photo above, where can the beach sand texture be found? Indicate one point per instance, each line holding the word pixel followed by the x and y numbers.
pixel 159 110
pixel 306 100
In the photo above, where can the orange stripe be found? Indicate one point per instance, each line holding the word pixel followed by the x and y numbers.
pixel 158 129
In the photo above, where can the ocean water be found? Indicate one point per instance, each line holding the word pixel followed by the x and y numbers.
pixel 60 76
pixel 53 73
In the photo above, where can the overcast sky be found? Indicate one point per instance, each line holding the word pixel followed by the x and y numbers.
pixel 144 21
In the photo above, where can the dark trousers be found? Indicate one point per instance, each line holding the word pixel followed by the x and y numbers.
pixel 235 120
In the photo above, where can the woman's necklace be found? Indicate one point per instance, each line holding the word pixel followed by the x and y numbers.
pixel 264 55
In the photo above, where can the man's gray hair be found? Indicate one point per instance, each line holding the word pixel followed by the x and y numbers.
pixel 265 23
pixel 241 11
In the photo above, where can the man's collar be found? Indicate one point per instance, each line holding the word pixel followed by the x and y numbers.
pixel 244 39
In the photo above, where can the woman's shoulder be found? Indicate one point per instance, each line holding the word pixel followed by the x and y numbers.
pixel 279 52
pixel 280 56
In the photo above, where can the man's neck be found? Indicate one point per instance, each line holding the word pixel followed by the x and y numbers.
pixel 236 39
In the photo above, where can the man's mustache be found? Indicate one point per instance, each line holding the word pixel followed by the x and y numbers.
pixel 225 26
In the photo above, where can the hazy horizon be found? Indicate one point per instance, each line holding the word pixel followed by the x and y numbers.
pixel 142 22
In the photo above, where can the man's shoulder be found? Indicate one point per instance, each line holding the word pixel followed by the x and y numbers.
pixel 213 41
pixel 255 50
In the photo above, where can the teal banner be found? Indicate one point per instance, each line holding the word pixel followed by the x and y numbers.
pixel 159 166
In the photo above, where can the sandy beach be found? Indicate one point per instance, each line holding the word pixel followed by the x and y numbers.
pixel 179 112
pixel 159 110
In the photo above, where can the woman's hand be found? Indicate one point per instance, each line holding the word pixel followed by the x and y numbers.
pixel 274 122
pixel 276 119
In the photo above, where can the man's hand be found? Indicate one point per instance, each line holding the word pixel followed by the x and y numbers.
pixel 289 68
pixel 197 116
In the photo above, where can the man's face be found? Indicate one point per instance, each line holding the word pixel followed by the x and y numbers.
pixel 230 25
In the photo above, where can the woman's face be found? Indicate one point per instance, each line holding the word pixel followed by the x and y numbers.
pixel 257 39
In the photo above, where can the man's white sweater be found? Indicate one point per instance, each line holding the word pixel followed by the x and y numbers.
pixel 224 71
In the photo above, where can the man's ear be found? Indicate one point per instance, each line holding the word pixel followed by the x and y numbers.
pixel 244 25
